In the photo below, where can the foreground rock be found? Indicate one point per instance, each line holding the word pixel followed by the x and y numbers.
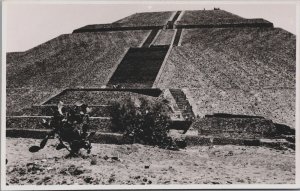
pixel 144 165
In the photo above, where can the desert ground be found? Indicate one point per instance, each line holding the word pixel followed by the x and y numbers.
pixel 140 164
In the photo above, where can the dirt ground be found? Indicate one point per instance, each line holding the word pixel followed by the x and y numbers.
pixel 139 164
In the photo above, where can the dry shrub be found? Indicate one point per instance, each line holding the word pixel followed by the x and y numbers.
pixel 146 123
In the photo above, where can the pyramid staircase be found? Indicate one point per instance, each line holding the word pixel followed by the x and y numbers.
pixel 177 37
pixel 183 104
pixel 150 38
pixel 139 67
pixel 170 24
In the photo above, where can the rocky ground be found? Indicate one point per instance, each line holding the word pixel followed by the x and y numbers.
pixel 139 164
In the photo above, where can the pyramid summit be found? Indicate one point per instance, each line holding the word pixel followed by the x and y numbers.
pixel 177 19
pixel 207 61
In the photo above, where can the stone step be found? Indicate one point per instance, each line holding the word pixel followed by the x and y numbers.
pixel 99 137
pixel 101 96
pixel 182 103
pixel 47 110
pixel 190 139
pixel 102 124
pixel 34 122
pixel 236 127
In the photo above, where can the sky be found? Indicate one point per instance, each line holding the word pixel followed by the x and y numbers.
pixel 30 24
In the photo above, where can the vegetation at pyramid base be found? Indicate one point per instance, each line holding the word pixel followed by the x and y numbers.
pixel 143 121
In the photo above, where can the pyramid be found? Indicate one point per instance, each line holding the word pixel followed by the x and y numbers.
pixel 205 61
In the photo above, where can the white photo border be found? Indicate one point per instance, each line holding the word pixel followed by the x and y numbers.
pixel 192 186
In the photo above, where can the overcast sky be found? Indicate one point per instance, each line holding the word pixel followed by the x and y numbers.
pixel 28 25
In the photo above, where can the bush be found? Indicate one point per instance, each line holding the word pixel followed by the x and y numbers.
pixel 143 121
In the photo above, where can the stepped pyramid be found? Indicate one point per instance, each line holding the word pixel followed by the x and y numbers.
pixel 204 61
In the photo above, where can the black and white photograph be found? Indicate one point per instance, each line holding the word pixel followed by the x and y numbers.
pixel 149 94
